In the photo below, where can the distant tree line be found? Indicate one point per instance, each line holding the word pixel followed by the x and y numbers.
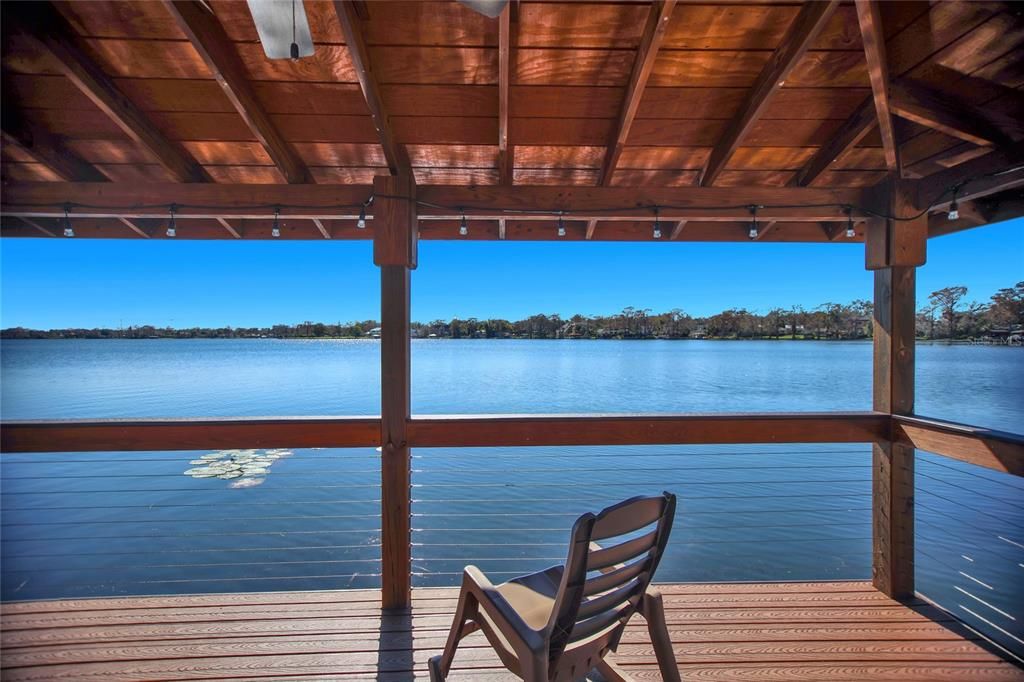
pixel 946 316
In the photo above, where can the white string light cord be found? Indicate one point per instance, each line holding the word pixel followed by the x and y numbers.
pixel 274 210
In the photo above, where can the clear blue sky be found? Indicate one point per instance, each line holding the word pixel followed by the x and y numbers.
pixel 50 283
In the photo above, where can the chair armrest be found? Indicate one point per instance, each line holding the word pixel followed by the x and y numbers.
pixel 501 612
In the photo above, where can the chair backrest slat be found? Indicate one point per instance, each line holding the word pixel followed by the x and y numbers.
pixel 622 552
pixel 589 615
pixel 619 520
pixel 595 605
pixel 612 579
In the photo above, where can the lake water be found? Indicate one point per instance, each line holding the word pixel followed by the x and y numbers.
pixel 176 522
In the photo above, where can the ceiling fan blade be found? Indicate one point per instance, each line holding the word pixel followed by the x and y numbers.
pixel 489 8
pixel 279 24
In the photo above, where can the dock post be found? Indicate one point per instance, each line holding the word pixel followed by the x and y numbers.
pixel 394 250
pixel 894 249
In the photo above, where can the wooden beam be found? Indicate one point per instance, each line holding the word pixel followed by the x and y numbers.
pixel 124 435
pixel 591 228
pixel 765 228
pixel 988 448
pixel 321 228
pixel 853 130
pixel 230 230
pixel 922 105
pixel 505 155
pixel 677 230
pixel 891 242
pixel 647 52
pixel 395 227
pixel 978 213
pixel 893 462
pixel 801 35
pixel 555 430
pixel 482 202
pixel 36 226
pixel 134 228
pixel 49 150
pixel 198 22
pixel 45 26
pixel 997 171
pixel 351 26
pixel 870 20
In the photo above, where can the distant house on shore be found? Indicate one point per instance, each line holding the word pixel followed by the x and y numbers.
pixel 374 333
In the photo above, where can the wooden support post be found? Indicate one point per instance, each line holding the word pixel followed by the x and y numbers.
pixel 894 250
pixel 394 250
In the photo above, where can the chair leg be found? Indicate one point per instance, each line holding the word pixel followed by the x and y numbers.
pixel 441 665
pixel 654 614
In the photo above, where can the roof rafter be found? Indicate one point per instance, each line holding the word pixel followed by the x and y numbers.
pixel 654 32
pixel 49 150
pixel 505 157
pixel 921 104
pixel 208 37
pixel 999 170
pixel 395 154
pixel 43 24
pixel 869 18
pixel 801 34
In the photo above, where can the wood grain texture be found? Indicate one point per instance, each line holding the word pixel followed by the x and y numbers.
pixel 351 25
pixel 658 18
pixel 765 631
pixel 50 32
pixel 870 20
pixel 984 447
pixel 207 36
pixel 801 34
pixel 395 452
pixel 505 48
pixel 514 430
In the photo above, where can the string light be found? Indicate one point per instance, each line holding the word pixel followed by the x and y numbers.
pixel 657 224
pixel 561 226
pixel 753 223
pixel 68 230
pixel 850 234
pixel 954 212
pixel 463 226
pixel 361 222
pixel 275 231
pixel 171 229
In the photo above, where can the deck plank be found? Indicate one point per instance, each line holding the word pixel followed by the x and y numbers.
pixel 756 631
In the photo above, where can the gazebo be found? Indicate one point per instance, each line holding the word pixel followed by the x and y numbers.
pixel 882 123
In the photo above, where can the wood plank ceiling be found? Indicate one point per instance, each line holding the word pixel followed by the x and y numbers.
pixel 626 94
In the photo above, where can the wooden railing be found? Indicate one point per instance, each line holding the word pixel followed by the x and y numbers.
pixel 991 449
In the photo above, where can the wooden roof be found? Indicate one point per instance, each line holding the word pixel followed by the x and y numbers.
pixel 582 94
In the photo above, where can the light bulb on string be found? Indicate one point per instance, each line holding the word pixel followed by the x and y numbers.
pixel 68 230
pixel 954 211
pixel 172 230
pixel 850 233
pixel 275 231
pixel 561 226
pixel 657 225
pixel 463 226
pixel 361 222
pixel 753 223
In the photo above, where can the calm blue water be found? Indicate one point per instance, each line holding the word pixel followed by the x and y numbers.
pixel 174 522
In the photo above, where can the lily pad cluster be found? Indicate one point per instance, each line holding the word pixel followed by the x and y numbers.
pixel 249 467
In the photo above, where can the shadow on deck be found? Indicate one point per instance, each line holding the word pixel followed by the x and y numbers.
pixel 724 631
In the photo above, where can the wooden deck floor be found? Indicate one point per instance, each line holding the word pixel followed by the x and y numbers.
pixel 772 631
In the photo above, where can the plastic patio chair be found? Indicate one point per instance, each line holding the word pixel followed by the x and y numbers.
pixel 560 623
